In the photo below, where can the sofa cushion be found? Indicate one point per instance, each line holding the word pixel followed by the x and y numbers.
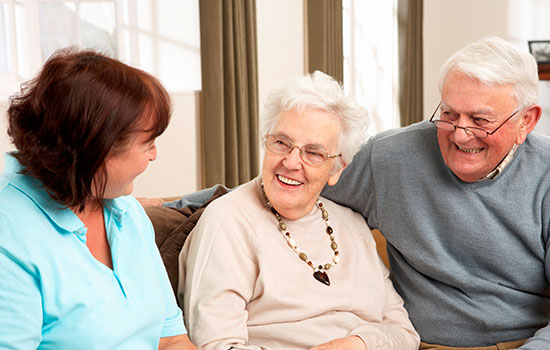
pixel 172 226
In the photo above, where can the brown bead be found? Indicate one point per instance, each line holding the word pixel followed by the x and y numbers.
pixel 327 266
pixel 334 246
pixel 303 256
pixel 282 226
pixel 310 263
pixel 324 213
pixel 329 230
pixel 336 252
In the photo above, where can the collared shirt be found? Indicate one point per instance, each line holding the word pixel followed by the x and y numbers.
pixel 55 295
pixel 502 164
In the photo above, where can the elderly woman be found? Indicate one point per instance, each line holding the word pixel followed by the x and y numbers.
pixel 79 264
pixel 272 265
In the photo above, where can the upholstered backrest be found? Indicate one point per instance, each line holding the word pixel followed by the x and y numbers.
pixel 381 246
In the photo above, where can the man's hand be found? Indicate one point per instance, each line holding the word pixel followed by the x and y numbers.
pixel 149 202
pixel 349 343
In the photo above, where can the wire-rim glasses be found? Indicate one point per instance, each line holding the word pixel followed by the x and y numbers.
pixel 469 130
pixel 312 155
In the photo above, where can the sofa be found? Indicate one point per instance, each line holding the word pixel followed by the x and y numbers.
pixel 173 225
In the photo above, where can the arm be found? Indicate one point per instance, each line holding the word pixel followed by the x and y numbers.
pixel 218 281
pixel 395 331
pixel 178 342
pixel 348 343
pixel 195 199
pixel 355 188
pixel 20 305
pixel 173 330
pixel 541 339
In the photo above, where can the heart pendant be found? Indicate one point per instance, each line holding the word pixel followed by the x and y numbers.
pixel 322 277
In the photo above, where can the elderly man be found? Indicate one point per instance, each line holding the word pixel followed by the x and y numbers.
pixel 463 202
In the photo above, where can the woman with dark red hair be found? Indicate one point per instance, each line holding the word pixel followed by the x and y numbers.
pixel 79 265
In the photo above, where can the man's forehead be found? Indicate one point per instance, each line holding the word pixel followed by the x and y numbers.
pixel 481 109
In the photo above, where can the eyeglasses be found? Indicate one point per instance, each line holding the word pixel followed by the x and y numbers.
pixel 311 155
pixel 469 130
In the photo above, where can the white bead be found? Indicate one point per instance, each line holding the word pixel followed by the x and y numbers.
pixel 292 243
pixel 336 259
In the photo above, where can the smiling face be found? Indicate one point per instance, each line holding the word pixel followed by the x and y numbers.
pixel 291 185
pixel 124 166
pixel 466 102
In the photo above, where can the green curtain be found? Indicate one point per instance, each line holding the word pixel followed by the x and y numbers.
pixel 324 48
pixel 229 113
pixel 411 83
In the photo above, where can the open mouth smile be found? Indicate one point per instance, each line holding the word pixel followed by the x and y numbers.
pixel 288 181
pixel 470 150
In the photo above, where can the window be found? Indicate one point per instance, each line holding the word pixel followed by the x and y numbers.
pixel 131 30
pixel 371 59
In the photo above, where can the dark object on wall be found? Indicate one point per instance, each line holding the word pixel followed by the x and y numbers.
pixel 540 49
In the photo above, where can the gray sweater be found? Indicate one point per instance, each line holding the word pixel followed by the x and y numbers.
pixel 469 259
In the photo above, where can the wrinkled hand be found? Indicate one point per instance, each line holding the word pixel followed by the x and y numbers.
pixel 349 343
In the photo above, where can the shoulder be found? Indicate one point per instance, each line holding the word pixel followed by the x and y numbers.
pixel 18 212
pixel 343 216
pixel 228 225
pixel 243 203
pixel 421 133
pixel 538 144
pixel 397 142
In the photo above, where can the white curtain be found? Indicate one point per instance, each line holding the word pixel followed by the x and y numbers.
pixel 371 59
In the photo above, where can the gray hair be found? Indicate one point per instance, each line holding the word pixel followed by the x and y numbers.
pixel 319 91
pixel 494 61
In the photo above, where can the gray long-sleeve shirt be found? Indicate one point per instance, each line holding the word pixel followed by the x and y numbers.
pixel 469 259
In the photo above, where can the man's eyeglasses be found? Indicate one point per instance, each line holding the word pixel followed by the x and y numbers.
pixel 469 130
pixel 311 155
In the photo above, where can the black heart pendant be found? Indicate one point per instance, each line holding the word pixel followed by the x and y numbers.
pixel 322 277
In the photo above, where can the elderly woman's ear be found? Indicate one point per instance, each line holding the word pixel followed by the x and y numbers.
pixel 334 177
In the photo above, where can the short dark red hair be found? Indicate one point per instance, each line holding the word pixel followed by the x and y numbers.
pixel 81 106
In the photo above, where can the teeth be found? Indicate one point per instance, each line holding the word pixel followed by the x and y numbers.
pixel 470 150
pixel 288 181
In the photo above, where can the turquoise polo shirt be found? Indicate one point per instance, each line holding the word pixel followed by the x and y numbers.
pixel 55 295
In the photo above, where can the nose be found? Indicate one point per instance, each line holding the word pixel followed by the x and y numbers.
pixel 460 133
pixel 153 153
pixel 293 160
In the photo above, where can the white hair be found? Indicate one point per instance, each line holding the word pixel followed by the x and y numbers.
pixel 494 61
pixel 319 91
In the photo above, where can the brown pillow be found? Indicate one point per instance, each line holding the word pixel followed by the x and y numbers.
pixel 172 226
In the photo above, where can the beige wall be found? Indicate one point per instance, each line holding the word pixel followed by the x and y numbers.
pixel 450 25
pixel 176 170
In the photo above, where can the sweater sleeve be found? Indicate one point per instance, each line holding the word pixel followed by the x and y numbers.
pixel 355 188
pixel 541 339
pixel 218 281
pixel 395 331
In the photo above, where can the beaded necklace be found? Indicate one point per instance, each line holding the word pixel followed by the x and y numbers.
pixel 319 271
